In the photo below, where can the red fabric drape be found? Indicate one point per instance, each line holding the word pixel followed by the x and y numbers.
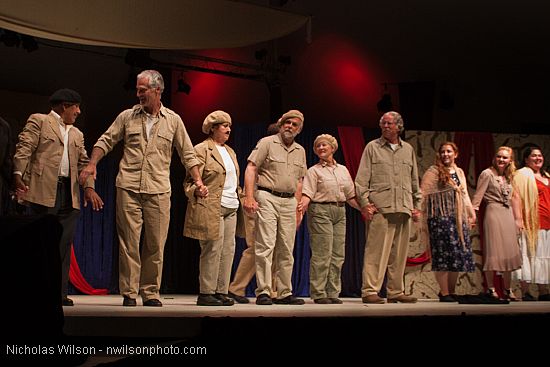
pixel 77 279
pixel 353 144
pixel 483 152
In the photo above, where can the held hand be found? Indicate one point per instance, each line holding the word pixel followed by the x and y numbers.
pixel 250 206
pixel 91 196
pixel 416 215
pixel 90 170
pixel 201 191
pixel 472 222
pixel 368 211
pixel 20 187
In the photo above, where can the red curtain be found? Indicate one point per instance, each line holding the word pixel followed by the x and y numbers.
pixel 77 279
pixel 483 152
pixel 352 143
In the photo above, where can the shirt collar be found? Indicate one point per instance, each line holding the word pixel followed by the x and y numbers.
pixel 384 141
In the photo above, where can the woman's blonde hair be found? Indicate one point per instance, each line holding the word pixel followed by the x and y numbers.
pixel 510 170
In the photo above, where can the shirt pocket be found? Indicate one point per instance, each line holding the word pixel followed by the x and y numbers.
pixel 133 137
pixel 381 193
pixel 164 143
pixel 298 169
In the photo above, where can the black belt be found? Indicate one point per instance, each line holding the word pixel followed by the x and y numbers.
pixel 277 193
pixel 335 203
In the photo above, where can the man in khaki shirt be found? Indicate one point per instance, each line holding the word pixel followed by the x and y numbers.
pixel 277 165
pixel 149 131
pixel 388 191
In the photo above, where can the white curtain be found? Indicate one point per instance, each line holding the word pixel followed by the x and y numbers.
pixel 150 24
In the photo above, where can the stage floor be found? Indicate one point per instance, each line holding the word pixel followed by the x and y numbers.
pixel 181 317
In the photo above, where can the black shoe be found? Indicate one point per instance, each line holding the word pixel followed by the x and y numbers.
pixel 237 298
pixel 226 301
pixel 129 302
pixel 544 297
pixel 527 297
pixel 153 302
pixel 67 301
pixel 208 300
pixel 263 299
pixel 322 301
pixel 447 298
pixel 289 300
pixel 336 301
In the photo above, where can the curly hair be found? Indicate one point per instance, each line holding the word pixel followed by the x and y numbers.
pixel 443 173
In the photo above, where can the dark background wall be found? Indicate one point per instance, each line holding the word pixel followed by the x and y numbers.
pixel 452 65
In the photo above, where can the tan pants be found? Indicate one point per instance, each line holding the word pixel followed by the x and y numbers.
pixel 386 248
pixel 327 239
pixel 247 264
pixel 275 234
pixel 141 273
pixel 217 256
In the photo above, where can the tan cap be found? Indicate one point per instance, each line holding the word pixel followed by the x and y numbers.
pixel 291 114
pixel 331 140
pixel 214 118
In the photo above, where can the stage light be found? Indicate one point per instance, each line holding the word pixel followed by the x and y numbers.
pixel 385 104
pixel 183 86
pixel 10 39
pixel 29 43
pixel 260 54
pixel 138 58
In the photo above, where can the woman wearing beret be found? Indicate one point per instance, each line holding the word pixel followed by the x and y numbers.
pixel 327 187
pixel 213 219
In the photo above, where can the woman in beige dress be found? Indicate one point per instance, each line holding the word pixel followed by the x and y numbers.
pixel 502 221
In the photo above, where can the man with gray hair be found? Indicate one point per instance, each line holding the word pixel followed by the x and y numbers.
pixel 150 131
pixel 277 164
pixel 388 191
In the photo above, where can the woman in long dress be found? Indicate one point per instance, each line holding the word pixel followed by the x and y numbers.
pixel 502 222
pixel 533 184
pixel 449 216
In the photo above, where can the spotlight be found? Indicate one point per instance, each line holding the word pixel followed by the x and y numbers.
pixel 385 104
pixel 183 86
pixel 138 58
pixel 10 39
pixel 260 54
pixel 29 43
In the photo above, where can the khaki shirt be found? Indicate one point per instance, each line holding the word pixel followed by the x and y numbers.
pixel 145 165
pixel 324 183
pixel 388 178
pixel 279 167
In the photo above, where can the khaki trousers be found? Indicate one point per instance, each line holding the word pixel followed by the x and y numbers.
pixel 327 239
pixel 275 234
pixel 217 256
pixel 247 264
pixel 386 248
pixel 141 273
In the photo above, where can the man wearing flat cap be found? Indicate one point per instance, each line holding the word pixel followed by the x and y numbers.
pixel 150 133
pixel 49 156
pixel 277 164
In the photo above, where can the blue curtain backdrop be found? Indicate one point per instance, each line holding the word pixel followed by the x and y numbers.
pixel 96 244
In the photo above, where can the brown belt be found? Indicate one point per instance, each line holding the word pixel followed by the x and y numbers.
pixel 335 203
